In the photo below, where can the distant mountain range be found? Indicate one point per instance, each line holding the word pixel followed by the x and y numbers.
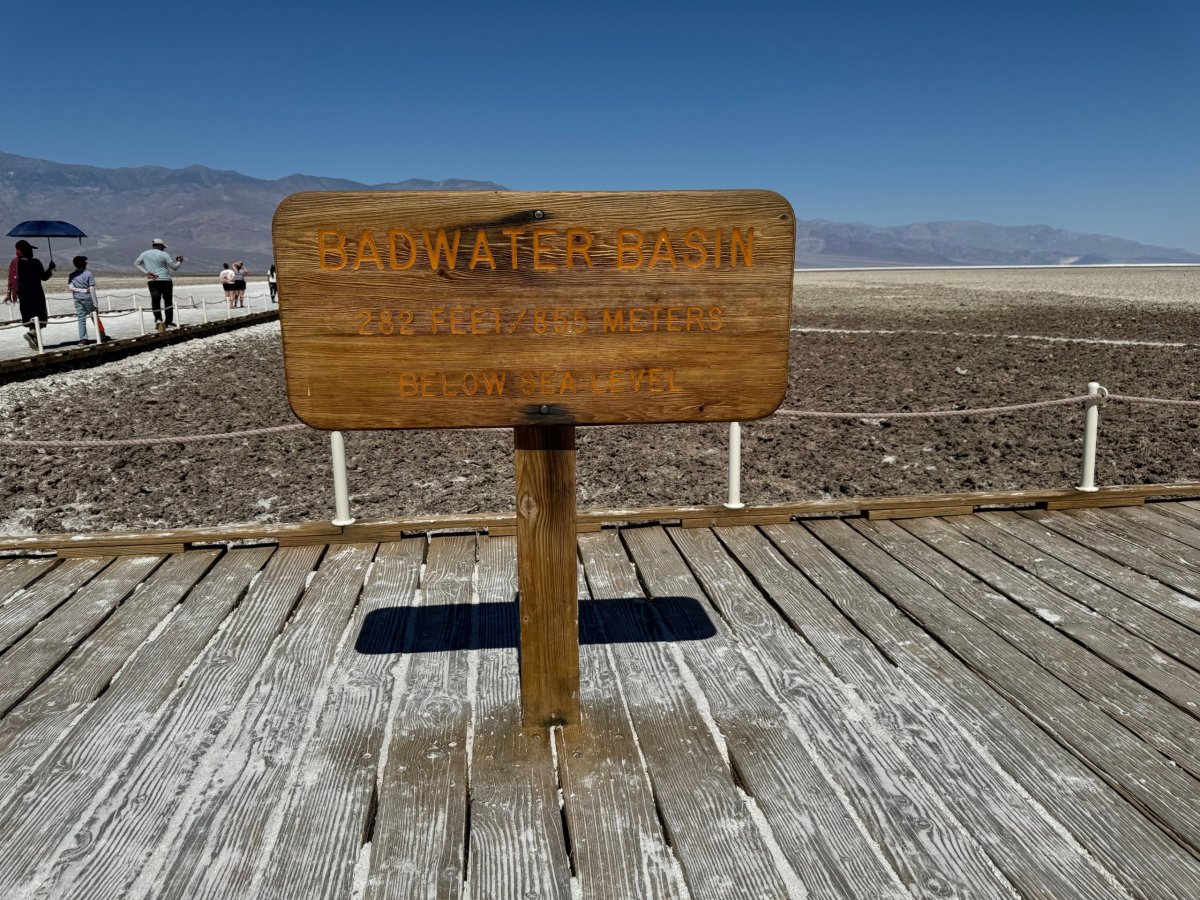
pixel 213 216
pixel 208 216
pixel 834 244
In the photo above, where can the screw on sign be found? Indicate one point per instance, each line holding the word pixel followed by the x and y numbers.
pixel 540 312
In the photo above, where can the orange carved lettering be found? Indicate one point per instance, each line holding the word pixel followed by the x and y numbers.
pixel 408 384
pixel 614 320
pixel 338 248
pixel 437 318
pixel 513 234
pixel 624 248
pixel 373 255
pixel 695 239
pixel 538 234
pixel 717 255
pixel 663 250
pixel 482 251
pixel 394 233
pixel 745 244
pixel 439 247
pixel 579 240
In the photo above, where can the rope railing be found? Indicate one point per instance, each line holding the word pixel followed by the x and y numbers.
pixel 180 303
pixel 1096 397
pixel 930 414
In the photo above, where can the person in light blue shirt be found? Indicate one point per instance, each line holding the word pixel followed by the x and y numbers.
pixel 157 266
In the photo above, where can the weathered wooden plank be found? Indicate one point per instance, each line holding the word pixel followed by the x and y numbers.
pixel 1120 549
pixel 770 519
pixel 41 719
pixel 1164 633
pixel 720 849
pixel 420 842
pixel 25 608
pixel 253 763
pixel 616 857
pixel 1157 721
pixel 953 782
pixel 1095 811
pixel 1185 512
pixel 18 574
pixel 51 640
pixel 325 822
pixel 545 479
pixel 770 741
pixel 917 512
pixel 1128 763
pixel 1106 640
pixel 127 837
pixel 1155 518
pixel 1146 590
pixel 42 809
pixel 1179 554
pixel 122 550
pixel 517 844
pixel 1094 501
pixel 151 539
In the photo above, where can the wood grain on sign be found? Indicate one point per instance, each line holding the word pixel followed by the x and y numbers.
pixel 472 309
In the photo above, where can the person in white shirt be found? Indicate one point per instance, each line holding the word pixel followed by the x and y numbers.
pixel 227 276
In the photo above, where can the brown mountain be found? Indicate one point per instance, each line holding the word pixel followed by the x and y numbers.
pixel 208 216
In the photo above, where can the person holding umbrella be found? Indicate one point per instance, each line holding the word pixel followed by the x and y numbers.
pixel 30 295
pixel 157 266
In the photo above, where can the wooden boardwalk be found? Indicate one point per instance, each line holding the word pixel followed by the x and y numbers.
pixel 1002 704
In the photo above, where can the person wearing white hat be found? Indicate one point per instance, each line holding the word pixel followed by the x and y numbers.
pixel 157 266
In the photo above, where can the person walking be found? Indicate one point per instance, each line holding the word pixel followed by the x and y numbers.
pixel 10 295
pixel 30 295
pixel 157 266
pixel 83 289
pixel 227 277
pixel 272 283
pixel 239 283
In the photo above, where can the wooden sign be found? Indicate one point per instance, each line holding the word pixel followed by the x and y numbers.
pixel 465 309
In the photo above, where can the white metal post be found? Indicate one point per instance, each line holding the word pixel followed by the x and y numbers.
pixel 37 329
pixel 204 310
pixel 228 309
pixel 96 323
pixel 137 304
pixel 341 492
pixel 735 467
pixel 1091 427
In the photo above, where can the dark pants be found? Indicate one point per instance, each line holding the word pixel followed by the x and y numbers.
pixel 33 308
pixel 161 298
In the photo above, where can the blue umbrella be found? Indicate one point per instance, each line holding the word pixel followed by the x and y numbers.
pixel 47 229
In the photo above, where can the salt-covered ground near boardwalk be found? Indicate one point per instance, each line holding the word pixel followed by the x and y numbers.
pixel 862 342
pixel 194 305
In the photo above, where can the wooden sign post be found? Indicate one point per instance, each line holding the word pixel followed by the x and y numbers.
pixel 540 312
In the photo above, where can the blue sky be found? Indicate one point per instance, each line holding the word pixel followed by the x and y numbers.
pixel 1081 115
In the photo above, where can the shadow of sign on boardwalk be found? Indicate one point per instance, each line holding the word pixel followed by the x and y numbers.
pixel 441 628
